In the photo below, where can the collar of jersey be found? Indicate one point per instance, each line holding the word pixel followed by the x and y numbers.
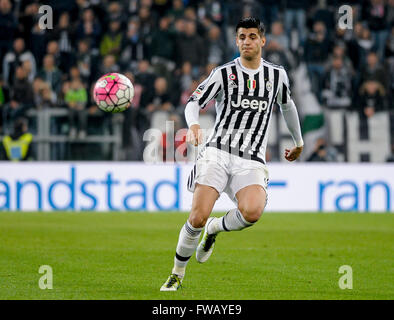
pixel 247 69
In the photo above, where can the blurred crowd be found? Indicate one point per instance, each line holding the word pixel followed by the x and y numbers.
pixel 166 47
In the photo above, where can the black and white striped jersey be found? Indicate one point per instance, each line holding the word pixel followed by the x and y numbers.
pixel 244 102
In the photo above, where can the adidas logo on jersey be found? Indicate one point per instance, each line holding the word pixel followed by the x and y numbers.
pixel 232 85
pixel 256 104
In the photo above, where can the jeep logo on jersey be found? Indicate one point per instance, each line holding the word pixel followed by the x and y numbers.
pixel 256 104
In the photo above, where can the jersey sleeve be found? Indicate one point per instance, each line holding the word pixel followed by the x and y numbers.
pixel 284 93
pixel 288 109
pixel 207 90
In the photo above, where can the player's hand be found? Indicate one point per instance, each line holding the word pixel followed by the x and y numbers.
pixel 293 154
pixel 194 135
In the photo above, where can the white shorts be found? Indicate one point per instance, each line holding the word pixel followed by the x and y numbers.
pixel 226 172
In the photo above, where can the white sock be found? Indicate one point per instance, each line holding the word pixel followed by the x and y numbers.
pixel 231 221
pixel 187 244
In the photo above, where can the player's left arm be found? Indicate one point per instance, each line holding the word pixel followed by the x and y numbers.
pixel 290 114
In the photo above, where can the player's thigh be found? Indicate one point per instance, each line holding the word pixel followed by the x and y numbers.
pixel 251 201
pixel 204 199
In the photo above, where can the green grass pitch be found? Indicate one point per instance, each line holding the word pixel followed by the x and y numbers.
pixel 130 255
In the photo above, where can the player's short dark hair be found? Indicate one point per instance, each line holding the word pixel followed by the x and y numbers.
pixel 251 22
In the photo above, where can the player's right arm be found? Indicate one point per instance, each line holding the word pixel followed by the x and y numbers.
pixel 205 92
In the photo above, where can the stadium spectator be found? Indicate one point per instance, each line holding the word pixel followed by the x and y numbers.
pixel 15 58
pixel 131 138
pixel 176 11
pixel 269 12
pixel 74 74
pixel 44 97
pixel 76 100
pixel 111 42
pixel 201 25
pixel 158 99
pixel 147 20
pixel 294 14
pixel 4 98
pixel 390 12
pixel 214 11
pixel 375 13
pixel 352 45
pixel 389 53
pixel 161 7
pixel 338 84
pixel 89 28
pixel 277 34
pixel 339 50
pixel 250 8
pixel 365 44
pixel 322 12
pixel 187 92
pixel 374 71
pixel 27 17
pixel 64 35
pixel 137 90
pixel 132 7
pixel 322 152
pixel 275 52
pixel 185 78
pixel 21 99
pixel 342 36
pixel 217 50
pixel 8 27
pixel 27 66
pixel 389 48
pixel 87 62
pixel 115 12
pixel 38 39
pixel 145 77
pixel 316 53
pixel 53 49
pixel 372 98
pixel 134 47
pixel 109 64
pixel 17 145
pixel 50 73
pixel 181 85
pixel 190 47
pixel 162 48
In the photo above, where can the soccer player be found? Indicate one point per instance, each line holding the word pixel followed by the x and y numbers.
pixel 233 158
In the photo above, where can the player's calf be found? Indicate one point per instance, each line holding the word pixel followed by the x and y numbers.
pixel 232 221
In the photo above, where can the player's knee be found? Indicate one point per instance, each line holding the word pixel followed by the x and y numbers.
pixel 251 212
pixel 197 221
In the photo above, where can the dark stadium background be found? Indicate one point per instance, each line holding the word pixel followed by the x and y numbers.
pixel 342 80
pixel 105 216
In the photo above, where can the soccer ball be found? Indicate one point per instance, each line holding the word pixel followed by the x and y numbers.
pixel 113 92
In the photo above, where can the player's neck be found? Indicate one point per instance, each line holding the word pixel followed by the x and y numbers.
pixel 251 64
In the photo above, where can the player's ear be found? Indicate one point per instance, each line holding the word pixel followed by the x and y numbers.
pixel 263 41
